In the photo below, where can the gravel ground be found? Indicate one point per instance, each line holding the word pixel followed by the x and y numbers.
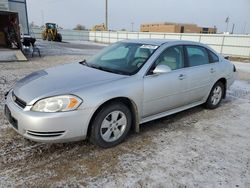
pixel 194 148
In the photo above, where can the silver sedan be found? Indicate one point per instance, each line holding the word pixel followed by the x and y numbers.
pixel 127 84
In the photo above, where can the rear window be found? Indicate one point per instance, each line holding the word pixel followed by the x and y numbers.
pixel 213 58
pixel 197 55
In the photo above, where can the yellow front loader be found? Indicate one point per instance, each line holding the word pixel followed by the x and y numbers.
pixel 50 33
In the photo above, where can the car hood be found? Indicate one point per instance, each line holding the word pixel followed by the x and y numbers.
pixel 60 80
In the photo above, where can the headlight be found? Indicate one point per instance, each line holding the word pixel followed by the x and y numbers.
pixel 57 104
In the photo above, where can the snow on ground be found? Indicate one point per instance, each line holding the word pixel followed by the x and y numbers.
pixel 194 148
pixel 243 67
pixel 87 43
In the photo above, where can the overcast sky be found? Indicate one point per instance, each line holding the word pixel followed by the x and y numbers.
pixel 206 13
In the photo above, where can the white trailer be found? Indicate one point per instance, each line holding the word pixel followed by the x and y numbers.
pixel 20 7
pixel 12 9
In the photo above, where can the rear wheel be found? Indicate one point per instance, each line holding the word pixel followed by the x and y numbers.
pixel 111 125
pixel 59 37
pixel 215 96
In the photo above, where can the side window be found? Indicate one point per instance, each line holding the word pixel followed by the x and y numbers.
pixel 197 55
pixel 213 58
pixel 118 53
pixel 172 57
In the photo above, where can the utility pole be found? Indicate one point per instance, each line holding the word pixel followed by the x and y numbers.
pixel 244 28
pixel 227 21
pixel 233 29
pixel 106 16
pixel 132 26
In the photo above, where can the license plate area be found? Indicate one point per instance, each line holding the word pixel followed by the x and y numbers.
pixel 11 119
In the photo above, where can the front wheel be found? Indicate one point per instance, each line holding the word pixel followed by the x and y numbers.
pixel 215 96
pixel 49 36
pixel 44 36
pixel 111 125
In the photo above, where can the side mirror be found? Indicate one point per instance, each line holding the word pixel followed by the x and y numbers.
pixel 161 69
pixel 227 57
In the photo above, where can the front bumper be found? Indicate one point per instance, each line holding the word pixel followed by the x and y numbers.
pixel 47 127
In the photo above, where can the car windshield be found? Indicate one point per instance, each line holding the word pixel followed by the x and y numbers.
pixel 122 58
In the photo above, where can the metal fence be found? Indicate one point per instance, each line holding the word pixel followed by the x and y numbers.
pixel 233 45
pixel 67 34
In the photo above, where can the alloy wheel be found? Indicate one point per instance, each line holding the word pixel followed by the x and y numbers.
pixel 113 126
pixel 216 96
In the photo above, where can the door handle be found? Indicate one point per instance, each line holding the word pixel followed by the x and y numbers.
pixel 182 77
pixel 212 70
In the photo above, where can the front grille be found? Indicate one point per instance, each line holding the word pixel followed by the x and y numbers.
pixel 18 101
pixel 45 134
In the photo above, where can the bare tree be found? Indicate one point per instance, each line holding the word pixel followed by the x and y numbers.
pixel 80 27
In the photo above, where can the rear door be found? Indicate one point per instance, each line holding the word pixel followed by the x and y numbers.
pixel 200 73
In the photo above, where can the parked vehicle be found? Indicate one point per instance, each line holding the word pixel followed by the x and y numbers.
pixel 51 33
pixel 100 27
pixel 127 84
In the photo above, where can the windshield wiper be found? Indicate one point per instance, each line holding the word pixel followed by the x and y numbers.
pixel 101 68
pixel 108 70
pixel 84 62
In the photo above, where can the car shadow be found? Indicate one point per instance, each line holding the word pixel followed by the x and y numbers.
pixel 172 122
pixel 184 120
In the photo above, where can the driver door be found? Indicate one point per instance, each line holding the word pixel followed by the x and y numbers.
pixel 163 92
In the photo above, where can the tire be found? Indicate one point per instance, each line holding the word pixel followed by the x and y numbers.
pixel 44 37
pixel 215 96
pixel 111 125
pixel 59 37
pixel 49 37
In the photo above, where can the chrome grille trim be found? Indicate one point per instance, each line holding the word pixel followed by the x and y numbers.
pixel 45 134
pixel 18 101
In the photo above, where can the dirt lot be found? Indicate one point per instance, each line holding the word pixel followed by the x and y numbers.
pixel 195 148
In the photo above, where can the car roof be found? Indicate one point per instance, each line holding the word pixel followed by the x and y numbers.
pixel 159 42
